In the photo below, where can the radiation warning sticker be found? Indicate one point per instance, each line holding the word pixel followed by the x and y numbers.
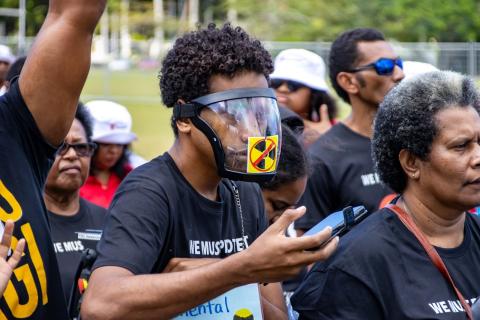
pixel 262 154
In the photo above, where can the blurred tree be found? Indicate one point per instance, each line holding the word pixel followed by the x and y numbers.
pixel 36 11
pixel 297 20
pixel 404 20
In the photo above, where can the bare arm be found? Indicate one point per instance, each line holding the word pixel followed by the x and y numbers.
pixel 114 292
pixel 58 64
pixel 273 303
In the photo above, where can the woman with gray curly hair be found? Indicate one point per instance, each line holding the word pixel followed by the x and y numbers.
pixel 419 257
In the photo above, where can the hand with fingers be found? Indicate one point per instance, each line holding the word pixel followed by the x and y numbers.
pixel 316 127
pixel 7 265
pixel 275 257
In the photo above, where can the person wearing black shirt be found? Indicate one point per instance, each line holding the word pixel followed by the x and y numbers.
pixel 76 223
pixel 425 147
pixel 35 115
pixel 180 231
pixel 363 68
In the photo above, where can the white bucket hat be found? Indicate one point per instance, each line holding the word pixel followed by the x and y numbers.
pixel 413 68
pixel 302 66
pixel 6 54
pixel 112 123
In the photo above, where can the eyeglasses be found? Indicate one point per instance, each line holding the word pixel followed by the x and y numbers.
pixel 81 149
pixel 291 85
pixel 383 66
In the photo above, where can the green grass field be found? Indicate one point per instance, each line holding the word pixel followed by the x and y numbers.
pixel 138 91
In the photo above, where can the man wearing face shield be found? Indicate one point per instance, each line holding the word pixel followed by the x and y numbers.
pixel 186 227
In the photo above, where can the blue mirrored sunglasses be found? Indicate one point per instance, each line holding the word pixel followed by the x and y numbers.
pixel 383 66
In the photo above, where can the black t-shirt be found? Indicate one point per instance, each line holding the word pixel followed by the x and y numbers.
pixel 73 234
pixel 342 175
pixel 35 290
pixel 156 215
pixel 381 271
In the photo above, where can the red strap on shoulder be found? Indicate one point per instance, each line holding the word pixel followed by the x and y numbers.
pixel 432 253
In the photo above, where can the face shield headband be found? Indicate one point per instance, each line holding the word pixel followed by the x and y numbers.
pixel 243 127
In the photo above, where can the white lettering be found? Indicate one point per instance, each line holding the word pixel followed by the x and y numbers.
pixel 370 179
pixel 245 239
pixel 58 247
pixel 436 307
pixel 228 246
pixel 239 244
pixel 197 246
pixel 94 235
pixel 205 248
pixel 216 248
pixel 444 306
pixel 454 305
pixel 72 246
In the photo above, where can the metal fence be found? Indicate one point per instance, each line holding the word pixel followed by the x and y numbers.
pixel 462 57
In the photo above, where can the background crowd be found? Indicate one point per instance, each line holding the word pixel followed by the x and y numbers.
pixel 204 218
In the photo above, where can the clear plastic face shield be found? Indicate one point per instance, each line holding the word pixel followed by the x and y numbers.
pixel 243 127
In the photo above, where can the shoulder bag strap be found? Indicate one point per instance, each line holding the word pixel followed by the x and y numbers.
pixel 432 253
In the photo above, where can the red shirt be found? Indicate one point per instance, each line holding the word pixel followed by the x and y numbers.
pixel 101 195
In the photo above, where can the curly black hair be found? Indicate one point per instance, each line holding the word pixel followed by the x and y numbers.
pixel 293 163
pixel 198 55
pixel 344 54
pixel 406 119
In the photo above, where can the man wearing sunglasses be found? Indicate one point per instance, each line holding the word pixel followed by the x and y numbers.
pixel 363 68
pixel 183 229
pixel 76 223
pixel 35 115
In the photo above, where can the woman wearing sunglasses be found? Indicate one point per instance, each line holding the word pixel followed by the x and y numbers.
pixel 76 224
pixel 299 83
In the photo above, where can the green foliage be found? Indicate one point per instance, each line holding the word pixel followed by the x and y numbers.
pixel 404 20
pixel 36 11
pixel 300 20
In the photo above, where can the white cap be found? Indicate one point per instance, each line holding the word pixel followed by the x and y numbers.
pixel 302 66
pixel 112 123
pixel 413 68
pixel 6 54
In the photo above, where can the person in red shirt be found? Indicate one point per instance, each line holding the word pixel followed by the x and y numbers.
pixel 112 125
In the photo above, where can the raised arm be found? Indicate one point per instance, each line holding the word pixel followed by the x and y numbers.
pixel 58 64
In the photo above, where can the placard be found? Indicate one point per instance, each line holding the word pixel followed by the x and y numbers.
pixel 242 303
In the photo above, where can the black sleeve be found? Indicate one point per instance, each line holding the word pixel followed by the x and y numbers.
pixel 136 228
pixel 334 294
pixel 17 122
pixel 252 206
pixel 319 197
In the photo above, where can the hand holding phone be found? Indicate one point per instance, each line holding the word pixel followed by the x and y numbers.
pixel 340 221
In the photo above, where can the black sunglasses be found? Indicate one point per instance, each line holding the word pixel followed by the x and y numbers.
pixel 291 85
pixel 383 66
pixel 81 149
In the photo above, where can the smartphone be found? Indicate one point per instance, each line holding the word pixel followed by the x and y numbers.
pixel 341 222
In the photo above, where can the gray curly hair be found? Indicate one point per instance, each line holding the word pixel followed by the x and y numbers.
pixel 406 119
